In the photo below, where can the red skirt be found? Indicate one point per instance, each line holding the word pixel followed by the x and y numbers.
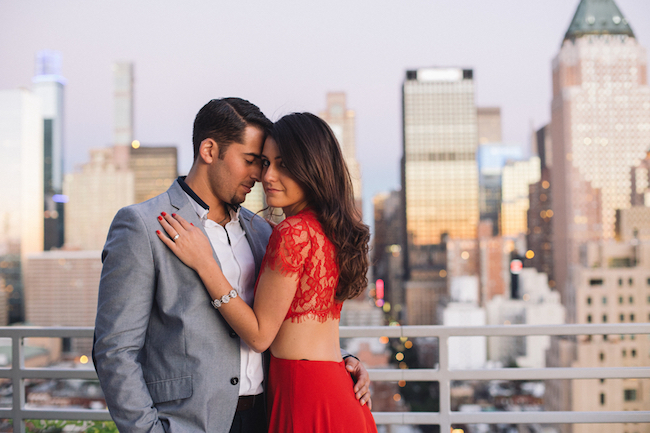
pixel 314 397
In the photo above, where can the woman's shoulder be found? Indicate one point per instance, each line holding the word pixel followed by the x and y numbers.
pixel 303 220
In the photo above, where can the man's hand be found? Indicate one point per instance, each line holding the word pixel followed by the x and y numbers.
pixel 361 380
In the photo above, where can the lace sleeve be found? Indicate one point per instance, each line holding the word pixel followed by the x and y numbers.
pixel 288 248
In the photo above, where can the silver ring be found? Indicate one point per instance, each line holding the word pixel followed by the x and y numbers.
pixel 176 237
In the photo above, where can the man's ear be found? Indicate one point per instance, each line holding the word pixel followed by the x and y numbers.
pixel 208 150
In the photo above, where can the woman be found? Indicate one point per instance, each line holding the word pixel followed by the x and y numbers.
pixel 316 258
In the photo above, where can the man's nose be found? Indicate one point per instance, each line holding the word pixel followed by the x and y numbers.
pixel 256 174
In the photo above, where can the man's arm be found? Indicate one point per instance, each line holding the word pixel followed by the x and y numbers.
pixel 360 376
pixel 126 294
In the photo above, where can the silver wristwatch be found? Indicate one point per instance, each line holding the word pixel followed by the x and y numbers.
pixel 224 299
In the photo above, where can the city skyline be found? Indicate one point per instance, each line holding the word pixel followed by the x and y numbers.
pixel 178 68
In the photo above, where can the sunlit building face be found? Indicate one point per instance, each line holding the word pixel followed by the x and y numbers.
pixel 600 130
pixel 440 143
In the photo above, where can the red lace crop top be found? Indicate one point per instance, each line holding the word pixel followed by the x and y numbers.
pixel 298 246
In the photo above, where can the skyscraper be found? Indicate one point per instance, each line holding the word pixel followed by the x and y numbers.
pixel 48 85
pixel 489 124
pixel 342 122
pixel 21 189
pixel 515 181
pixel 439 160
pixel 154 168
pixel 439 183
pixel 95 195
pixel 600 128
pixel 539 238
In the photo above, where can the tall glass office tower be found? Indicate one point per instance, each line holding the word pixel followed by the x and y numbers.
pixel 440 172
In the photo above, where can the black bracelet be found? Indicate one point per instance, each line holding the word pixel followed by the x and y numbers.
pixel 349 355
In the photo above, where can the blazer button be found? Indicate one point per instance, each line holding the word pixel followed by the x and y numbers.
pixel 234 380
pixel 232 334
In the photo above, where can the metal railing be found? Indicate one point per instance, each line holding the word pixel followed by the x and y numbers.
pixel 18 373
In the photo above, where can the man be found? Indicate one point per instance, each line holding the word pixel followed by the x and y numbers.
pixel 166 360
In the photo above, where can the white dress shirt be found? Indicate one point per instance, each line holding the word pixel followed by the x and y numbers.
pixel 238 266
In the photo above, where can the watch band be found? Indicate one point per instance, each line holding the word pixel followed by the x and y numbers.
pixel 224 299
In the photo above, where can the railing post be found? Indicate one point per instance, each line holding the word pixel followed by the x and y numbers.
pixel 443 385
pixel 17 382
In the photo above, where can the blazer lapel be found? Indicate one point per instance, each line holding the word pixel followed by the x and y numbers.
pixel 245 219
pixel 179 200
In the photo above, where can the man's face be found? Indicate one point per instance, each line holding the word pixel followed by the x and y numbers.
pixel 232 177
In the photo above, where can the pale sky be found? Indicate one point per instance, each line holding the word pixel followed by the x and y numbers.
pixel 284 56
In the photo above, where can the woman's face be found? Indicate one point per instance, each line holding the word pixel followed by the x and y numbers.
pixel 279 186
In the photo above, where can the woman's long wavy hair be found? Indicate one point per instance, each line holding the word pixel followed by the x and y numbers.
pixel 313 157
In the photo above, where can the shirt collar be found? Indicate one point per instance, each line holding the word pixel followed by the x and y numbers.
pixel 200 207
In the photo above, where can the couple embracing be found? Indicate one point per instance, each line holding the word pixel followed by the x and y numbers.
pixel 180 346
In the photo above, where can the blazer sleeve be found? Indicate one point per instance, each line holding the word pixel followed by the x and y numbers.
pixel 126 296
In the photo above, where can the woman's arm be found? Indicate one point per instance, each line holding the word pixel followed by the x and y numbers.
pixel 258 326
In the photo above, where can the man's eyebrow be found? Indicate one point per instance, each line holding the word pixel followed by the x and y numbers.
pixel 254 155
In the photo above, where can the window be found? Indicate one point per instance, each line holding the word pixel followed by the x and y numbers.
pixel 605 337
pixel 620 281
pixel 631 300
pixel 648 281
pixel 633 353
pixel 605 300
pixel 589 318
pixel 602 398
pixel 629 394
pixel 589 301
pixel 596 282
pixel 620 299
pixel 602 380
pixel 602 356
pixel 621 318
pixel 630 281
pixel 604 318
pixel 631 317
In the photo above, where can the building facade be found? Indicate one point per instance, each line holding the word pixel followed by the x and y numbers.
pixel 21 188
pixel 343 124
pixel 48 85
pixel 154 169
pixel 439 159
pixel 613 282
pixel 515 199
pixel 95 194
pixel 600 128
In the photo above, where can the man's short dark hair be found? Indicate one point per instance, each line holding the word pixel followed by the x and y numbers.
pixel 224 120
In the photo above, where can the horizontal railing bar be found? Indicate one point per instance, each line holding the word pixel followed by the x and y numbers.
pixel 428 374
pixel 47 331
pixel 492 330
pixel 59 414
pixel 550 417
pixel 528 417
pixel 50 373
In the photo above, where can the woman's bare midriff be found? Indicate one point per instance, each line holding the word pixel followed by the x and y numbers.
pixel 308 339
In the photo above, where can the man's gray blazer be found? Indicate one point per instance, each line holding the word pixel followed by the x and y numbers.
pixel 166 360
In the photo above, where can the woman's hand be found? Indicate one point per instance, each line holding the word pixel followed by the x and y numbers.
pixel 186 241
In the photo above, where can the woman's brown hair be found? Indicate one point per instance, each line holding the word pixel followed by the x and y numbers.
pixel 313 156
